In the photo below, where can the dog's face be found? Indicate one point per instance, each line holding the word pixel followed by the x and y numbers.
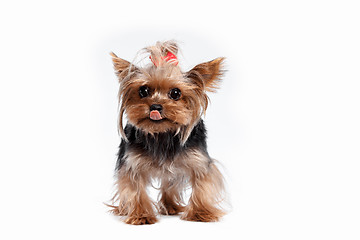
pixel 157 103
pixel 162 98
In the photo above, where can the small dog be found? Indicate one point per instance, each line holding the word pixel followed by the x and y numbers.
pixel 165 138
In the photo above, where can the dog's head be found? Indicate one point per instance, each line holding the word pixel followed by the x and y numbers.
pixel 160 97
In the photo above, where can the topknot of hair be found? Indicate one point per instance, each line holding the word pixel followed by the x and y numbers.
pixel 161 49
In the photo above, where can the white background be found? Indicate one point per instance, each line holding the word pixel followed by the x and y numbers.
pixel 285 124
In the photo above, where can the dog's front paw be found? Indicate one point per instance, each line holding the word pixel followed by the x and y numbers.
pixel 201 216
pixel 171 209
pixel 135 220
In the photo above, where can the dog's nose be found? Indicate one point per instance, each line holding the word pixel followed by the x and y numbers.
pixel 156 107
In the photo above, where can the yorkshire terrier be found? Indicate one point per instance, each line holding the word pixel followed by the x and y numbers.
pixel 165 139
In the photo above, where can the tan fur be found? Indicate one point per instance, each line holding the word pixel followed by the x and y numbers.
pixel 208 75
pixel 189 169
pixel 194 102
pixel 207 194
pixel 132 197
pixel 171 202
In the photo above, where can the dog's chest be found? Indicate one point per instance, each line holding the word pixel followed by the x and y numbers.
pixel 161 148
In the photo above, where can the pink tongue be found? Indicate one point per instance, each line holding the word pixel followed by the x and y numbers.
pixel 155 115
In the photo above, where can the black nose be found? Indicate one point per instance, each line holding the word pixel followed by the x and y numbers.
pixel 157 107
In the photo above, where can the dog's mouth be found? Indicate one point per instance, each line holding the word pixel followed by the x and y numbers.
pixel 155 115
pixel 154 118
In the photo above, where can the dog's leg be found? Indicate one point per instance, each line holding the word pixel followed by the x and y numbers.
pixel 171 196
pixel 134 203
pixel 207 193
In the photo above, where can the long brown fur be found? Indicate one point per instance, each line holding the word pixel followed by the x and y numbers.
pixel 192 168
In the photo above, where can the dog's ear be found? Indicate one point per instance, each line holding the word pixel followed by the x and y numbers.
pixel 207 75
pixel 122 67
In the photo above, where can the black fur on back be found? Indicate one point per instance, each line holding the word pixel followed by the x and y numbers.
pixel 162 146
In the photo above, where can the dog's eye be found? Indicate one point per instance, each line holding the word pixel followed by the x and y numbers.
pixel 144 91
pixel 175 94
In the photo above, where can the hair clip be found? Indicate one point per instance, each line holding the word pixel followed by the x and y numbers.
pixel 170 58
